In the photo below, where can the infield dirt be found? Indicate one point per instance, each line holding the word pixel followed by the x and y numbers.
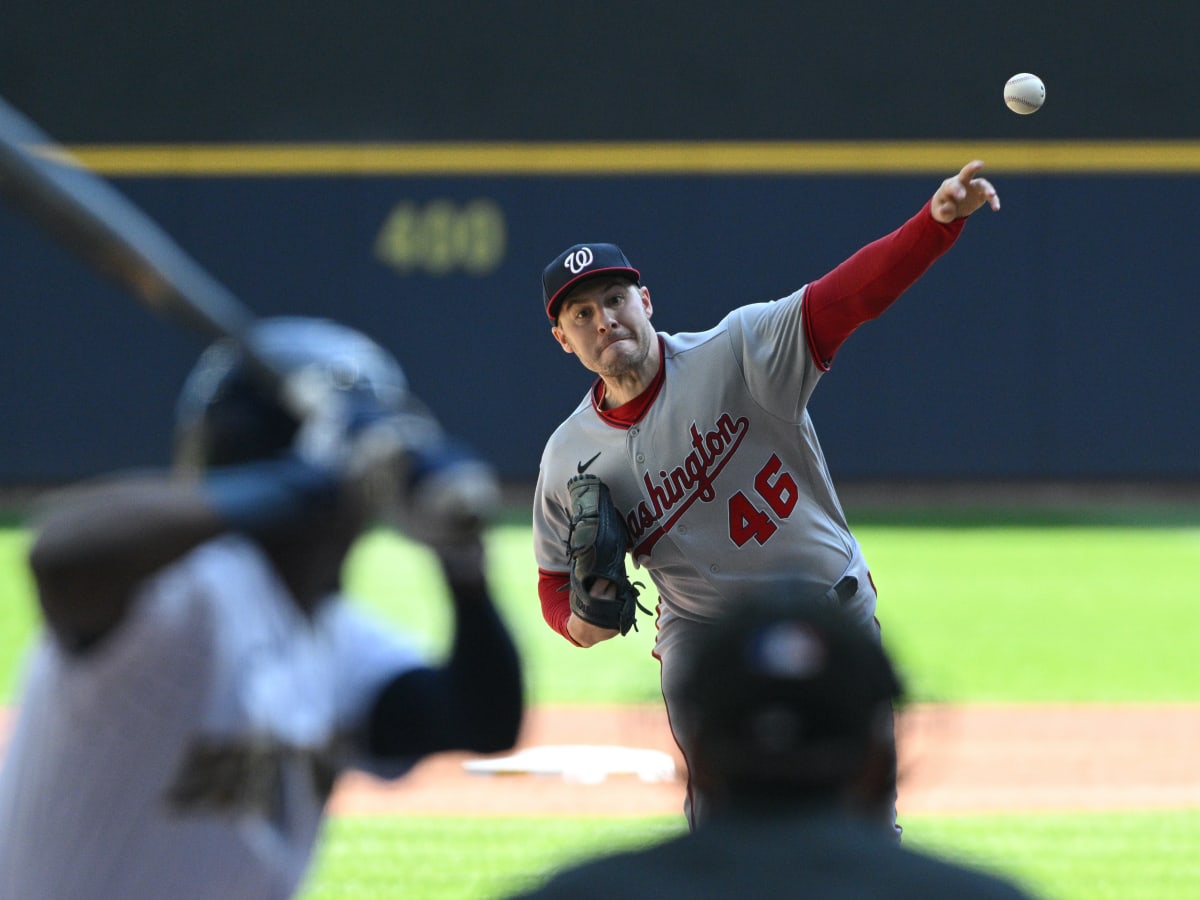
pixel 954 760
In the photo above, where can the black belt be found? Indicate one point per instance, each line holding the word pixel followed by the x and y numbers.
pixel 843 591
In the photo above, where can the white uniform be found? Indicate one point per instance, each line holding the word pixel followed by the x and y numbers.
pixel 722 482
pixel 191 752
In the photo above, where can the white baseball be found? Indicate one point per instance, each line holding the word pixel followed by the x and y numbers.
pixel 1024 93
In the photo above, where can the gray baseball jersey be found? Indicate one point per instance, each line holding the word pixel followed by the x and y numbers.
pixel 192 752
pixel 720 475
pixel 722 483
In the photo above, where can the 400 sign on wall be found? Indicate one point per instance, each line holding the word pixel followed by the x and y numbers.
pixel 440 237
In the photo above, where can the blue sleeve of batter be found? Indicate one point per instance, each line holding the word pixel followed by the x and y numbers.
pixel 258 497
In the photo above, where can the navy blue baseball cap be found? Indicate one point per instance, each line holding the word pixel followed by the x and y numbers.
pixel 787 694
pixel 578 263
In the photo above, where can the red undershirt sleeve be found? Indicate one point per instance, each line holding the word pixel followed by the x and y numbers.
pixel 556 603
pixel 867 283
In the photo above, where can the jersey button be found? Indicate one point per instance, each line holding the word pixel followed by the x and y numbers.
pixel 641 457
pixel 714 568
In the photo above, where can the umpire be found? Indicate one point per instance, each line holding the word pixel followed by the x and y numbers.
pixel 793 703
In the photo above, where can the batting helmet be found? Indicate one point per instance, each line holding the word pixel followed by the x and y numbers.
pixel 226 415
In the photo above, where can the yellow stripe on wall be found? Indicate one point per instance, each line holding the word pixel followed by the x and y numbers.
pixel 656 158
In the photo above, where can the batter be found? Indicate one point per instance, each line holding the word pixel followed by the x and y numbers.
pixel 705 440
pixel 202 679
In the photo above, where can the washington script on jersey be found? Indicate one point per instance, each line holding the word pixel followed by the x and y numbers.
pixel 675 491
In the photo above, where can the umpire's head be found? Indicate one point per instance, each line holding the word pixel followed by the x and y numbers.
pixel 794 704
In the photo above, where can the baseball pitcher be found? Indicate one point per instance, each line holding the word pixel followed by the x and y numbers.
pixel 704 447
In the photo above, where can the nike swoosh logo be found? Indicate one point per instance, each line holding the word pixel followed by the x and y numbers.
pixel 583 466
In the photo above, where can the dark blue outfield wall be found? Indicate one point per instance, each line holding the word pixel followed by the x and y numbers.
pixel 1058 339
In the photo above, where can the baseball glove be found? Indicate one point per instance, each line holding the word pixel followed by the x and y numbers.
pixel 596 545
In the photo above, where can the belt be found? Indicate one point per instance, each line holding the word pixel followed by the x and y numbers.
pixel 843 591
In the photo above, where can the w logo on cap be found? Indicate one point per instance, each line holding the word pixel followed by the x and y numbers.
pixel 579 260
pixel 577 263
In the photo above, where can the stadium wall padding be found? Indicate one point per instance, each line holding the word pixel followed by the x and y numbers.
pixel 1058 339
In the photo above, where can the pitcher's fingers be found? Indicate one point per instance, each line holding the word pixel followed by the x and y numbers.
pixel 969 171
pixel 989 192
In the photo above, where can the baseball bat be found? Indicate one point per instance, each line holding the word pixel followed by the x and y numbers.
pixel 88 217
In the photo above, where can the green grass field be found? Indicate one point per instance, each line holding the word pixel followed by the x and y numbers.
pixel 973 609
pixel 1126 856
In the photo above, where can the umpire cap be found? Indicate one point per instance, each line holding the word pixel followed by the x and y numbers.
pixel 577 263
pixel 789 697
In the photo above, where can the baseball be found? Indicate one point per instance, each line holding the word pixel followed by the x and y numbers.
pixel 1024 93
